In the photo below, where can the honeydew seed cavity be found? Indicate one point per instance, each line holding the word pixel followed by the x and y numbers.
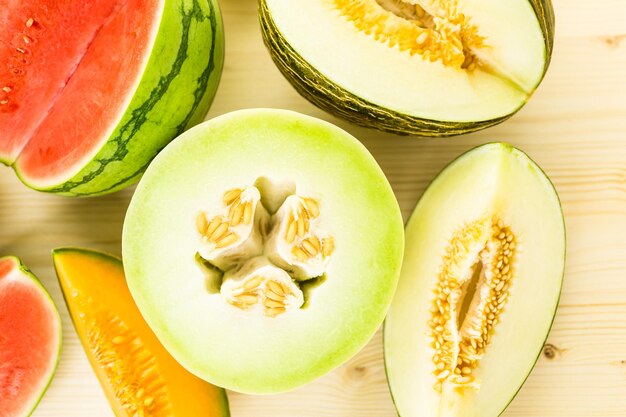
pixel 263 255
pixel 236 233
pixel 260 286
pixel 298 242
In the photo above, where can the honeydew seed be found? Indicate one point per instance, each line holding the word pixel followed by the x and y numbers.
pixel 201 223
pixel 253 283
pixel 220 231
pixel 290 234
pixel 301 226
pixel 277 288
pixel 309 247
pixel 273 312
pixel 227 240
pixel 231 195
pixel 270 303
pixel 328 246
pixel 274 296
pixel 300 254
pixel 311 206
pixel 236 213
pixel 246 298
pixel 212 226
pixel 247 213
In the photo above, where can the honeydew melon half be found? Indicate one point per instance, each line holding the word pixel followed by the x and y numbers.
pixel 421 67
pixel 91 91
pixel 263 248
pixel 479 287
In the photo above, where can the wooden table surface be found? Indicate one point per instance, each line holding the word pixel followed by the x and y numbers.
pixel 574 127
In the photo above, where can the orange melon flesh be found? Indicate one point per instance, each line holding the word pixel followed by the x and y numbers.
pixel 136 372
pixel 30 339
pixel 53 53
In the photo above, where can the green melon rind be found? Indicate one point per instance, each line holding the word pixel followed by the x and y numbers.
pixel 510 148
pixel 116 261
pixel 28 274
pixel 334 99
pixel 174 94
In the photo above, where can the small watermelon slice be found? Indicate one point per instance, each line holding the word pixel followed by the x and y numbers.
pixel 30 339
pixel 90 91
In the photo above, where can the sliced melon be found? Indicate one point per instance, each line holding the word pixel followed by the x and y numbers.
pixel 137 374
pixel 424 67
pixel 479 287
pixel 91 91
pixel 263 248
pixel 30 339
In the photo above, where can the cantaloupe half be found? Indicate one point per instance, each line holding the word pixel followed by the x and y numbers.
pixel 479 287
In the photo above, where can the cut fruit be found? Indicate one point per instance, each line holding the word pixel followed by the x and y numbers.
pixel 30 339
pixel 479 288
pixel 263 248
pixel 137 374
pixel 421 67
pixel 90 92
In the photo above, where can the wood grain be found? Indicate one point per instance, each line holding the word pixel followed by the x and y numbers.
pixel 575 128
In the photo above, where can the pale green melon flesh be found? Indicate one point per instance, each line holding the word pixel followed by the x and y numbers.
pixel 495 179
pixel 237 349
pixel 387 78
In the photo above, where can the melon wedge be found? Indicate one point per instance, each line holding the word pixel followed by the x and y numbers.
pixel 30 339
pixel 479 287
pixel 139 377
pixel 91 91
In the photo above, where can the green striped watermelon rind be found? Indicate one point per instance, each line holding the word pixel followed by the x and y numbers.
pixel 334 99
pixel 46 296
pixel 175 93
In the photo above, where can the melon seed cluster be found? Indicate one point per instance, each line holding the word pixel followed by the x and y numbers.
pixel 433 29
pixel 460 341
pixel 264 255
pixel 130 368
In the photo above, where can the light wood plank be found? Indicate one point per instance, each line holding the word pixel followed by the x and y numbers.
pixel 575 128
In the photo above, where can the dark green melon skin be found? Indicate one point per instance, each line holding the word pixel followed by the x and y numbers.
pixel 334 99
pixel 174 94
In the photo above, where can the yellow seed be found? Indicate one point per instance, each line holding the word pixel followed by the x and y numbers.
pixel 213 225
pixel 273 312
pixel 220 231
pixel 328 246
pixel 201 223
pixel 422 37
pixel 312 206
pixel 466 371
pixel 286 289
pixel 236 214
pixel 273 296
pixel 252 283
pixel 117 340
pixel 443 374
pixel 246 298
pixel 148 402
pixel 268 302
pixel 247 213
pixel 290 235
pixel 231 195
pixel 309 247
pixel 301 226
pixel 463 380
pixel 140 393
pixel 275 287
pixel 300 254
pixel 227 240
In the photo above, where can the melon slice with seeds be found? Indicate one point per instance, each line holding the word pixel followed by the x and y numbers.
pixel 479 288
pixel 139 377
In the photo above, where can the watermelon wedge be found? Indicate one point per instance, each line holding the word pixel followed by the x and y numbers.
pixel 90 91
pixel 30 339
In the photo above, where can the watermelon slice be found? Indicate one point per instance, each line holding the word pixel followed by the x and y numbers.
pixel 90 91
pixel 30 339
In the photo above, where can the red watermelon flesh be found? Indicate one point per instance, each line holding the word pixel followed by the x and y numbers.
pixel 68 71
pixel 30 339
